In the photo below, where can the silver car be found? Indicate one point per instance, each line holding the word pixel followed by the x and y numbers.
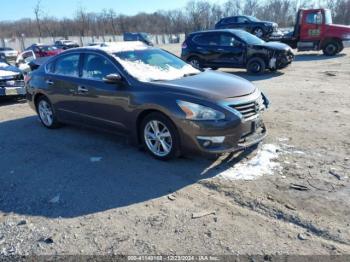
pixel 9 53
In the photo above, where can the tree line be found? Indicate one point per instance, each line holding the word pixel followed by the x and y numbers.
pixel 197 15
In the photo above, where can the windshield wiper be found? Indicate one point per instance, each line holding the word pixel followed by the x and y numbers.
pixel 190 74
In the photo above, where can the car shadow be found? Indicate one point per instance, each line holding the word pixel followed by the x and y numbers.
pixel 252 77
pixel 315 57
pixel 5 100
pixel 71 172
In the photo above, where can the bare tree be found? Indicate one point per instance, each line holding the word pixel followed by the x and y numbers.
pixel 198 15
pixel 37 12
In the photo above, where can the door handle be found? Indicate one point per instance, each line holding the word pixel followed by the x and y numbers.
pixel 82 89
pixel 49 82
pixel 220 49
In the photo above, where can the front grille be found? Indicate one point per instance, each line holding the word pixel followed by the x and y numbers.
pixel 10 83
pixel 250 109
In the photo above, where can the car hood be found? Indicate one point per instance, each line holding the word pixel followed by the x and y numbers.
pixel 8 71
pixel 275 46
pixel 211 84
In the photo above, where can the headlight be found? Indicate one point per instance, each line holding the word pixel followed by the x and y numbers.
pixel 198 112
pixel 346 36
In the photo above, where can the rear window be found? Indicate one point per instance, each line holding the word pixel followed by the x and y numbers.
pixel 6 49
pixel 49 48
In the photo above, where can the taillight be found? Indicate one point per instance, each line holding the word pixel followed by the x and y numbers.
pixel 184 45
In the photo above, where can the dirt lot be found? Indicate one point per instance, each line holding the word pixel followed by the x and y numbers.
pixel 75 191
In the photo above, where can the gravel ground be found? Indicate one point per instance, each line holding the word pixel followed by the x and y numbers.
pixel 77 191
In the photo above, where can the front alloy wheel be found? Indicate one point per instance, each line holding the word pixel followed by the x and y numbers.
pixel 256 65
pixel 258 32
pixel 194 61
pixel 160 137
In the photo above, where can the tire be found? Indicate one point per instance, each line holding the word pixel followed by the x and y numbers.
pixel 46 113
pixel 160 137
pixel 214 68
pixel 256 65
pixel 258 32
pixel 195 62
pixel 331 48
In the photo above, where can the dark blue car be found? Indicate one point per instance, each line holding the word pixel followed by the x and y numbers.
pixel 261 29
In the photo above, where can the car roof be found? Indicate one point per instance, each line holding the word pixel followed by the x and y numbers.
pixel 115 47
pixel 217 31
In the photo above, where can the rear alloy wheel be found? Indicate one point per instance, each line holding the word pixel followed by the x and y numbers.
pixel 331 49
pixel 256 65
pixel 258 32
pixel 195 62
pixel 46 113
pixel 160 137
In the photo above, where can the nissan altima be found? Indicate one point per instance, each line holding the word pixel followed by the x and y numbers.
pixel 153 97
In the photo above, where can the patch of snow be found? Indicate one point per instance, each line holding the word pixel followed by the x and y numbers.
pixel 261 164
pixel 299 152
pixel 7 73
pixel 116 47
pixel 55 200
pixel 283 139
pixel 95 159
pixel 147 73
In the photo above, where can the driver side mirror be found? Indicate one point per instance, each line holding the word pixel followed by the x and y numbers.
pixel 113 79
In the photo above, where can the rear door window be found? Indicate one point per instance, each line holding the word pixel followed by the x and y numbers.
pixel 230 20
pixel 207 39
pixel 68 65
pixel 97 67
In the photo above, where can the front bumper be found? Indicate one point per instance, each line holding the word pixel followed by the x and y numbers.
pixel 237 135
pixel 281 61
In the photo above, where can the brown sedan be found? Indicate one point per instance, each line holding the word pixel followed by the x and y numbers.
pixel 151 96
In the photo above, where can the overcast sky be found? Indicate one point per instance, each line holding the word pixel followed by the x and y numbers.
pixel 17 9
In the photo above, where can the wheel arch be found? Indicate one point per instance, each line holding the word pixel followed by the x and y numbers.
pixel 37 96
pixel 143 114
pixel 331 39
pixel 259 55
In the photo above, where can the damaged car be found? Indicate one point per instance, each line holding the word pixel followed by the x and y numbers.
pixel 11 80
pixel 151 96
pixel 229 48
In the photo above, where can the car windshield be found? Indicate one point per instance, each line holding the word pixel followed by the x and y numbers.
pixel 253 19
pixel 249 38
pixel 49 48
pixel 328 17
pixel 154 65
